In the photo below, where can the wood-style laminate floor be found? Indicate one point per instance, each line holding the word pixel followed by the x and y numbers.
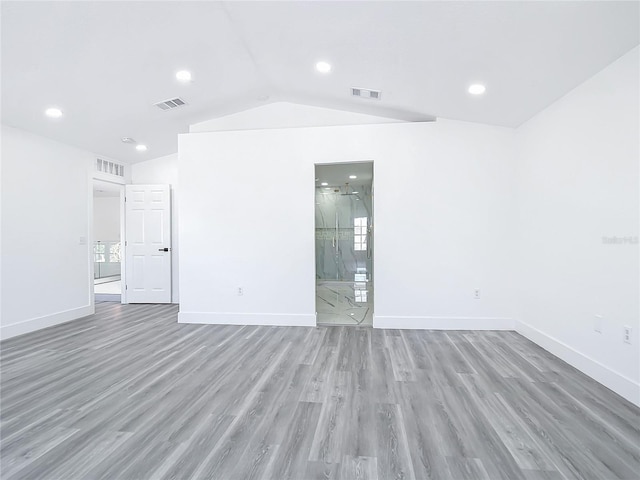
pixel 129 393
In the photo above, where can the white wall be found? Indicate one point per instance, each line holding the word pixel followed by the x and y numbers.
pixel 45 232
pixel 578 183
pixel 106 218
pixel 287 115
pixel 164 170
pixel 1 228
pixel 443 214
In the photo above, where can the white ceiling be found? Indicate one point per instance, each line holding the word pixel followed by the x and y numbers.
pixel 337 175
pixel 105 63
pixel 105 189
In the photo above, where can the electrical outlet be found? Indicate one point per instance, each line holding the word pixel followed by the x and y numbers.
pixel 597 324
pixel 240 291
pixel 626 338
pixel 476 294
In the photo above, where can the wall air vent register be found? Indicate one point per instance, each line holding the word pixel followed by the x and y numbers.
pixel 109 167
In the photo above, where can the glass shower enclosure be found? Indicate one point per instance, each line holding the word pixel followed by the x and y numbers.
pixel 344 253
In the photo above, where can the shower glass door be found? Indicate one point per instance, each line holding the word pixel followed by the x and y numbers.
pixel 343 235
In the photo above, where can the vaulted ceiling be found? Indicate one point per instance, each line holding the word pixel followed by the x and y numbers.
pixel 106 63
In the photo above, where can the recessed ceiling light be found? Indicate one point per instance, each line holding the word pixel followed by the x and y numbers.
pixel 477 89
pixel 323 67
pixel 353 177
pixel 141 148
pixel 128 140
pixel 53 112
pixel 324 184
pixel 184 75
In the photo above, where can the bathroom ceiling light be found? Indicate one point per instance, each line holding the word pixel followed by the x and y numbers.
pixel 477 89
pixel 183 76
pixel 53 112
pixel 324 184
pixel 323 67
pixel 141 148
pixel 353 177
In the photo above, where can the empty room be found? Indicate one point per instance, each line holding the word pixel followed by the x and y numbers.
pixel 320 240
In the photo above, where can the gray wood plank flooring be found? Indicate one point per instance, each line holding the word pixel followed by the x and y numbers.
pixel 129 393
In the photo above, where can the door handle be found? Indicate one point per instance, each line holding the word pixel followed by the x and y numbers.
pixel 165 249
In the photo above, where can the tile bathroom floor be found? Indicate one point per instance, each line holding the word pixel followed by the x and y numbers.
pixel 344 303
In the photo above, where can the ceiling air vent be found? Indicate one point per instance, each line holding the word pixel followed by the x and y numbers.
pixel 366 93
pixel 169 104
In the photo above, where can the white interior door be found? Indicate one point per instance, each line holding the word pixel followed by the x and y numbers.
pixel 148 243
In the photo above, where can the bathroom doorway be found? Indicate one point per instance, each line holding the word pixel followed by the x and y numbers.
pixel 344 244
pixel 107 241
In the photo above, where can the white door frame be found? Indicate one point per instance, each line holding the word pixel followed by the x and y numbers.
pixel 373 225
pixel 94 182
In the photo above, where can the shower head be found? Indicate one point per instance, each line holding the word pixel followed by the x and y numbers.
pixel 346 190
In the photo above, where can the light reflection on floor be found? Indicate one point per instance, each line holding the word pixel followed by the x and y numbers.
pixel 344 303
pixel 111 288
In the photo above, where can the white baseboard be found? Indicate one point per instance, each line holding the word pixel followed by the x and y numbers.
pixel 20 328
pixel 271 319
pixel 443 323
pixel 623 386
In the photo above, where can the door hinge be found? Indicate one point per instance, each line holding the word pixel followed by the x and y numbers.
pixel 126 287
pixel 125 243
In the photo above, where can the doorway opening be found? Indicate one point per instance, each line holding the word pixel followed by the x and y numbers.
pixel 107 241
pixel 344 244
